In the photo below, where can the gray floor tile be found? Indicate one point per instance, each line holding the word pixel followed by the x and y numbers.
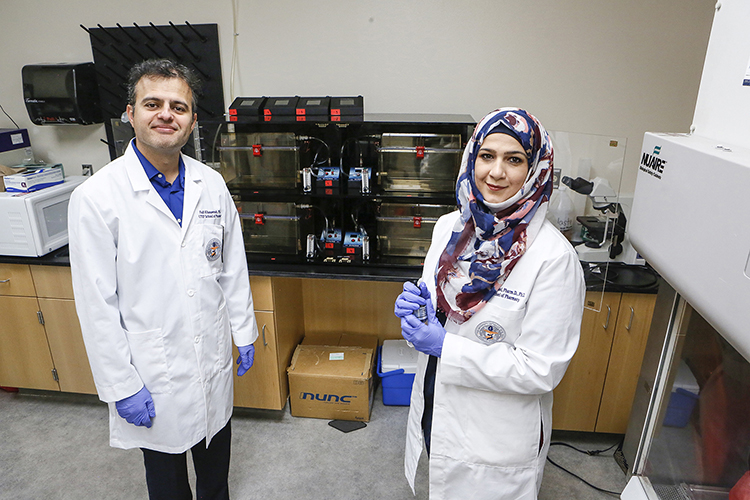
pixel 56 446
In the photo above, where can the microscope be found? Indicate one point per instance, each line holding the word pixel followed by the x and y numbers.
pixel 603 236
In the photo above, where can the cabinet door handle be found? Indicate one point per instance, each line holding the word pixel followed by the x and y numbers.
pixel 632 312
pixel 264 335
pixel 5 281
pixel 606 323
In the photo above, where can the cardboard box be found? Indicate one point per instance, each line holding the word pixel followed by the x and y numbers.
pixel 33 180
pixel 334 382
pixel 343 339
pixel 8 171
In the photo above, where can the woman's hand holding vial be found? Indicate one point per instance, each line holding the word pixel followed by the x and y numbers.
pixel 419 326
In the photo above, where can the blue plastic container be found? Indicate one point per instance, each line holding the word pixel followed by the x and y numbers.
pixel 396 384
pixel 680 407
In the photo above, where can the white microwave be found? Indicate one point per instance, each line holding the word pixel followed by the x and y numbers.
pixel 34 224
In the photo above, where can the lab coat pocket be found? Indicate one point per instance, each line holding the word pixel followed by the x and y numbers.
pixel 501 429
pixel 216 350
pixel 494 324
pixel 149 357
pixel 224 342
pixel 213 250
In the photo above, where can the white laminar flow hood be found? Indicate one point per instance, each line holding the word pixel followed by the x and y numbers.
pixel 691 222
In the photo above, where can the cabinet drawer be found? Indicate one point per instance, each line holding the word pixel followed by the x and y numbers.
pixel 262 293
pixel 52 281
pixel 15 279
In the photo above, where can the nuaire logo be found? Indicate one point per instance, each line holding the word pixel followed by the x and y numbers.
pixel 652 164
pixel 326 398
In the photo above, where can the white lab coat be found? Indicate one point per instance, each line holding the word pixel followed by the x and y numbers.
pixel 493 401
pixel 159 303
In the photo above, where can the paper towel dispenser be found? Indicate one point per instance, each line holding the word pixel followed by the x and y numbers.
pixel 61 94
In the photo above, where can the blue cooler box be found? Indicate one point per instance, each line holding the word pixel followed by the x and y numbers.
pixel 683 398
pixel 397 363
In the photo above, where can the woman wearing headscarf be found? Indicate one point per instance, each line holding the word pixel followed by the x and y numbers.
pixel 504 293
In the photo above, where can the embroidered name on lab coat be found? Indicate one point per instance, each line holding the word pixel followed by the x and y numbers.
pixel 209 214
pixel 508 294
pixel 490 332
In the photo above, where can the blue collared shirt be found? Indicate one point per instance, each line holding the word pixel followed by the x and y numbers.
pixel 173 194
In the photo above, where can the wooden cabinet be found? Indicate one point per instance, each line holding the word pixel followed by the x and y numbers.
pixel 631 334
pixel 577 397
pixel 25 359
pixel 54 291
pixel 41 346
pixel 351 306
pixel 287 308
pixel 40 341
pixel 278 312
pixel 597 391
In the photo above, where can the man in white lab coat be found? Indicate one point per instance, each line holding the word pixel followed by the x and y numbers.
pixel 161 289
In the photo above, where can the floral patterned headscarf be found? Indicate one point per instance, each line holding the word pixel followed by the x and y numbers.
pixel 488 240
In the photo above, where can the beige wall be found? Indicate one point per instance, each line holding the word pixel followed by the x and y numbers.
pixel 585 66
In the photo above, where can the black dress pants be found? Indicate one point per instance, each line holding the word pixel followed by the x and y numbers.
pixel 429 401
pixel 429 391
pixel 167 476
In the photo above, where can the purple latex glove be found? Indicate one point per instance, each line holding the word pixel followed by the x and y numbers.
pixel 409 301
pixel 245 359
pixel 137 409
pixel 427 338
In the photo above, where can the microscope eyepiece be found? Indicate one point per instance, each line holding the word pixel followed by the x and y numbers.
pixel 579 184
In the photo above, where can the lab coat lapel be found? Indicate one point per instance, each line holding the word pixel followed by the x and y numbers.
pixel 193 190
pixel 140 182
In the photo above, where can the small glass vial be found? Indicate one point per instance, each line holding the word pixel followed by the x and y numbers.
pixel 421 314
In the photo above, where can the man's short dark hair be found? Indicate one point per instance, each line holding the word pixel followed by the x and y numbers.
pixel 163 68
